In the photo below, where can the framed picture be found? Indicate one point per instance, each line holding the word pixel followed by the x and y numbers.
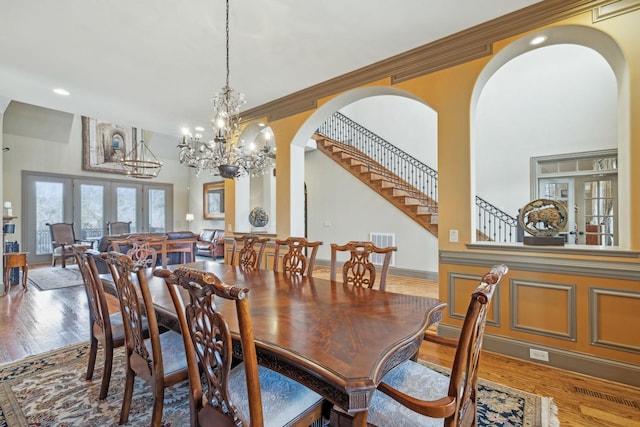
pixel 105 144
pixel 213 200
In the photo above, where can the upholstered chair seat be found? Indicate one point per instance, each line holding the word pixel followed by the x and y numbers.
pixel 412 378
pixel 172 352
pixel 283 398
pixel 117 326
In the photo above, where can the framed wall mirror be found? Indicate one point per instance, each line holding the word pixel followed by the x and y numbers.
pixel 213 200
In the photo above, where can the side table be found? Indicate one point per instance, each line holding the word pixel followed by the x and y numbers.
pixel 15 259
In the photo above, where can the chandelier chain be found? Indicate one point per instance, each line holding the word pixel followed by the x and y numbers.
pixel 228 154
pixel 227 34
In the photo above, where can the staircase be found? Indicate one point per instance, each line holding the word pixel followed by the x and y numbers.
pixel 401 179
pixel 415 204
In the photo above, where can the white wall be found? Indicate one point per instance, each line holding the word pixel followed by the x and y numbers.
pixel 341 208
pixel 554 100
pixel 408 124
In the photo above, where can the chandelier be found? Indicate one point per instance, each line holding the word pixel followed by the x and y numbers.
pixel 225 155
pixel 140 162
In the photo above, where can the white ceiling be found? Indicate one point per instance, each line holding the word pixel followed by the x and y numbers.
pixel 154 64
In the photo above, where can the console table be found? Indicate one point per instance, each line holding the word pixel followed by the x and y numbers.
pixel 15 259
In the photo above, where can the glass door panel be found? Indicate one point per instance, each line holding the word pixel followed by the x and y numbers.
pixel 127 206
pixel 599 211
pixel 92 204
pixel 156 209
pixel 562 190
pixel 49 209
pixel 47 200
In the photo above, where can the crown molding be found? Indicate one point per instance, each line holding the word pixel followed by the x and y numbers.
pixel 615 8
pixel 464 46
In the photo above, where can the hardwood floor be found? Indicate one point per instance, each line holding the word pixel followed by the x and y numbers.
pixel 36 321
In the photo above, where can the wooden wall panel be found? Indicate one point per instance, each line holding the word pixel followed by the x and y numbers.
pixel 461 286
pixel 544 308
pixel 610 311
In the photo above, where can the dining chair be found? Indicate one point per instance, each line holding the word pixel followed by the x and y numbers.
pixel 104 328
pixel 248 394
pixel 140 249
pixel 295 261
pixel 412 394
pixel 118 227
pixel 159 360
pixel 250 255
pixel 359 269
pixel 63 236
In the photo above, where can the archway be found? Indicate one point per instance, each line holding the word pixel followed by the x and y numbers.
pixel 341 208
pixel 305 132
pixel 549 123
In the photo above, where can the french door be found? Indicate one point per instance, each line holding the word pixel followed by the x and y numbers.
pixel 591 203
pixel 90 203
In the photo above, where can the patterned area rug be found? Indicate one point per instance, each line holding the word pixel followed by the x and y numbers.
pixel 499 405
pixel 50 390
pixel 47 278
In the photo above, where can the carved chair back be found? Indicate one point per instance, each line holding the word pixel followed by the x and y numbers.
pixel 102 330
pixel 250 255
pixel 294 260
pixel 358 270
pixel 215 395
pixel 141 249
pixel 148 361
pixel 204 326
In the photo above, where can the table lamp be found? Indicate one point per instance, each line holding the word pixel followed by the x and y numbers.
pixel 8 206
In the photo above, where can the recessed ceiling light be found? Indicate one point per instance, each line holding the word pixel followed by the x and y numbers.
pixel 199 128
pixel 61 91
pixel 538 40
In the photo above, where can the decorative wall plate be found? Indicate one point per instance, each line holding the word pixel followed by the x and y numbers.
pixel 258 217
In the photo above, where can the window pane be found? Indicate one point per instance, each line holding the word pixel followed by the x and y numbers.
pixel 567 166
pixel 548 168
pixel 156 211
pixel 91 211
pixel 49 209
pixel 126 206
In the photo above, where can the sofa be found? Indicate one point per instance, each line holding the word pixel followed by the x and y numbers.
pixel 210 243
pixel 179 245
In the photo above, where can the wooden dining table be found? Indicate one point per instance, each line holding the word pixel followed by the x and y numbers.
pixel 336 339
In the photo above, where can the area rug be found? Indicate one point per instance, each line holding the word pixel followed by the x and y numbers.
pixel 48 278
pixel 499 405
pixel 50 390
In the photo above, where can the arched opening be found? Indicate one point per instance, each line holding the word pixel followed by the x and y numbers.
pixel 559 104
pixel 339 212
